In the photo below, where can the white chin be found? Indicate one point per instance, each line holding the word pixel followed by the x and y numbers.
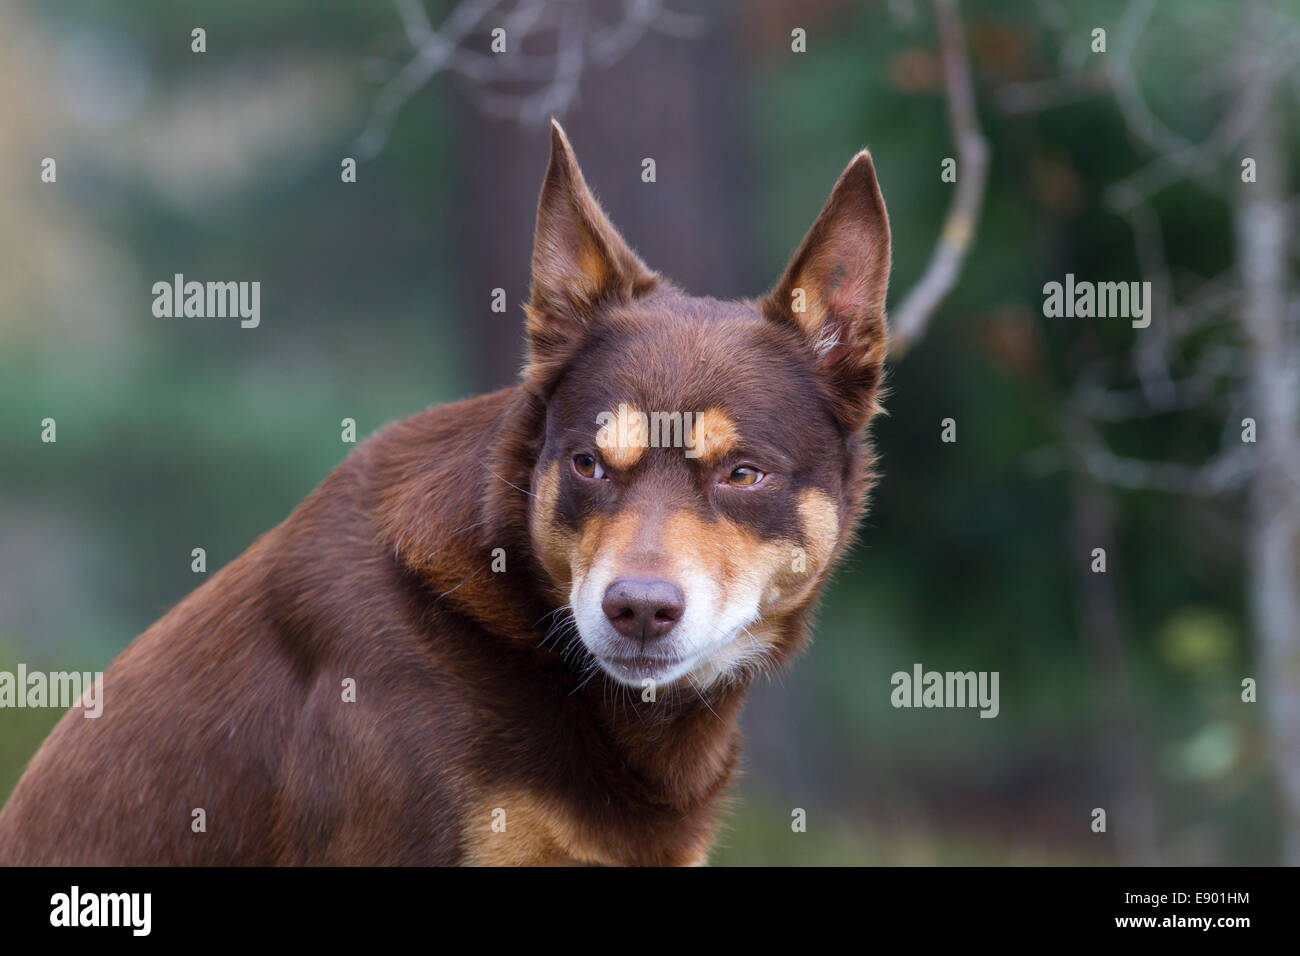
pixel 634 671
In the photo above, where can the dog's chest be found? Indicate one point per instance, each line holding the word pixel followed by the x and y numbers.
pixel 522 828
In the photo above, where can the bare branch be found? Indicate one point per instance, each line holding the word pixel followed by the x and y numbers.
pixel 559 74
pixel 1256 77
pixel 1128 92
pixel 1226 471
pixel 434 52
pixel 918 307
pixel 1033 96
pixel 1193 390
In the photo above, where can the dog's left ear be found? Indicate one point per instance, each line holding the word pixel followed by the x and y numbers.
pixel 833 292
pixel 579 261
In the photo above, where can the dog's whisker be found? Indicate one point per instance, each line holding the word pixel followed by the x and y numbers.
pixel 595 668
pixel 471 527
pixel 700 694
pixel 508 482
pixel 456 588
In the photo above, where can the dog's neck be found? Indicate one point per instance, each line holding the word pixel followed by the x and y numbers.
pixel 683 750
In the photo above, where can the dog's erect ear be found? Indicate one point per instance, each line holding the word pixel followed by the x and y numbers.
pixel 579 259
pixel 833 291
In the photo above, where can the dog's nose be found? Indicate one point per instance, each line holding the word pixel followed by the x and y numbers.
pixel 643 610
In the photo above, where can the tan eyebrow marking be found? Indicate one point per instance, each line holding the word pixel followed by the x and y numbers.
pixel 622 440
pixel 713 436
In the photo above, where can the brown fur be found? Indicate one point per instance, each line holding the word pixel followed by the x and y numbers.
pixel 232 702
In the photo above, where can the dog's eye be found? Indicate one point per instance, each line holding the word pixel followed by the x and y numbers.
pixel 744 475
pixel 587 466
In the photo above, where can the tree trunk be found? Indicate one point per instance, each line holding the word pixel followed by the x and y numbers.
pixel 1101 622
pixel 677 101
pixel 1273 568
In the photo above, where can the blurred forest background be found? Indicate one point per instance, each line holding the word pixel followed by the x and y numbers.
pixel 1120 690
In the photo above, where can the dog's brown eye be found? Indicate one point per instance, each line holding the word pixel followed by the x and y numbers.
pixel 587 466
pixel 744 475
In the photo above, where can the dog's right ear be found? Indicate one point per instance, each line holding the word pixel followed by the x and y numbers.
pixel 579 260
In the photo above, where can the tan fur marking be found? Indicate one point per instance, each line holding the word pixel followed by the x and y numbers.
pixel 608 537
pixel 813 316
pixel 729 554
pixel 821 526
pixel 534 834
pixel 714 435
pixel 550 541
pixel 734 556
pixel 796 575
pixel 622 443
pixel 542 832
pixel 594 268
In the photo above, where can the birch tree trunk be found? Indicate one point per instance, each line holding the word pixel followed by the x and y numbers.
pixel 1273 530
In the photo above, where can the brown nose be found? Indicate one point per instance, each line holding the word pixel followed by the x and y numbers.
pixel 643 610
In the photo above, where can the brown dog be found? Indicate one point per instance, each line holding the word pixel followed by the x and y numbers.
pixel 518 628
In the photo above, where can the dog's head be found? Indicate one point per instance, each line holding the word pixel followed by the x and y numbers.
pixel 703 461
